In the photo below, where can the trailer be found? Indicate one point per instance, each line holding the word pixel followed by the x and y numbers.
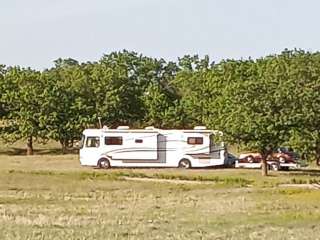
pixel 151 147
pixel 280 159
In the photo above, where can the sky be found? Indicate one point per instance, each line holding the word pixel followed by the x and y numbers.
pixel 34 33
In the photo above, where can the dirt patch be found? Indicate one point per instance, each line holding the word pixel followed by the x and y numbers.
pixel 174 181
pixel 309 186
pixel 177 181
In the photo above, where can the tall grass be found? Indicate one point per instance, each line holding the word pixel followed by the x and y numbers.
pixel 52 197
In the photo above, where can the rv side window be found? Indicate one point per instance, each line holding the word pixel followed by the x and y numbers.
pixel 93 142
pixel 195 140
pixel 138 141
pixel 113 140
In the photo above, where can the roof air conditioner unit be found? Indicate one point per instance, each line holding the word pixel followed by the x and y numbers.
pixel 123 127
pixel 200 128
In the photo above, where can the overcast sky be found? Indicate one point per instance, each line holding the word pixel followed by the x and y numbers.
pixel 36 32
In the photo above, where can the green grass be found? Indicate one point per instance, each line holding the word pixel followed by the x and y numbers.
pixel 53 197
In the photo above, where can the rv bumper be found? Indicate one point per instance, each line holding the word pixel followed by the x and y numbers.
pixel 202 162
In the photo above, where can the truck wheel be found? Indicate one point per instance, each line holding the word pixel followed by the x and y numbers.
pixel 250 159
pixel 282 160
pixel 104 163
pixel 184 163
pixel 275 167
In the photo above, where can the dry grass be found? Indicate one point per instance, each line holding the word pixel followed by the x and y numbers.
pixel 53 197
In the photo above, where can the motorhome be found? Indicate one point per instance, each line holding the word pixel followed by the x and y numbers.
pixel 151 147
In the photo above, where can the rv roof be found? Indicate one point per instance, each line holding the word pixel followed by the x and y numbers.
pixel 99 131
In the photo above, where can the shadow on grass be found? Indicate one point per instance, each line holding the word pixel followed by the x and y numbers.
pixel 305 172
pixel 22 151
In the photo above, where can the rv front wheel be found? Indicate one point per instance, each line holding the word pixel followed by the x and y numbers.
pixel 104 163
pixel 184 163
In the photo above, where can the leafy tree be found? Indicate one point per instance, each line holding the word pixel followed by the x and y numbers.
pixel 67 62
pixel 122 80
pixel 305 70
pixel 116 90
pixel 259 104
pixel 68 106
pixel 158 106
pixel 192 92
pixel 255 105
pixel 2 84
pixel 21 90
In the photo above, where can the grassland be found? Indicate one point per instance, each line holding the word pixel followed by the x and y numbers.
pixel 51 196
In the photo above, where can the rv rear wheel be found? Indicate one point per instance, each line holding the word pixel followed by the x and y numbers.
pixel 184 163
pixel 104 163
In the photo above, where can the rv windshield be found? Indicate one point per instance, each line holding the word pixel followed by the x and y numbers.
pixel 215 143
pixel 81 143
pixel 93 142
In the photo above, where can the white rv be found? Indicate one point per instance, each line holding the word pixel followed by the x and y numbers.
pixel 151 147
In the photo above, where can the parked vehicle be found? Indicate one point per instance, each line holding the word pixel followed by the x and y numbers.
pixel 151 147
pixel 230 160
pixel 281 159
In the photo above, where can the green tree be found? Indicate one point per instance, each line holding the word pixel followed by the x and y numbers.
pixel 123 80
pixel 21 91
pixel 256 106
pixel 68 105
pixel 2 89
pixel 116 90
pixel 305 71
pixel 192 93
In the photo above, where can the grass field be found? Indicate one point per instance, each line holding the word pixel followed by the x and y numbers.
pixel 51 196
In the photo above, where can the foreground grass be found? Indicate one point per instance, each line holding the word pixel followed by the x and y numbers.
pixel 52 197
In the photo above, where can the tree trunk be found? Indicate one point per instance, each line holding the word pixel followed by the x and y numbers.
pixel 63 143
pixel 264 166
pixel 318 154
pixel 29 146
pixel 265 155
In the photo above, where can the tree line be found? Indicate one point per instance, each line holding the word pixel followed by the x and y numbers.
pixel 259 104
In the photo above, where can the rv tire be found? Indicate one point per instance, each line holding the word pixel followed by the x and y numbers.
pixel 184 163
pixel 104 163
